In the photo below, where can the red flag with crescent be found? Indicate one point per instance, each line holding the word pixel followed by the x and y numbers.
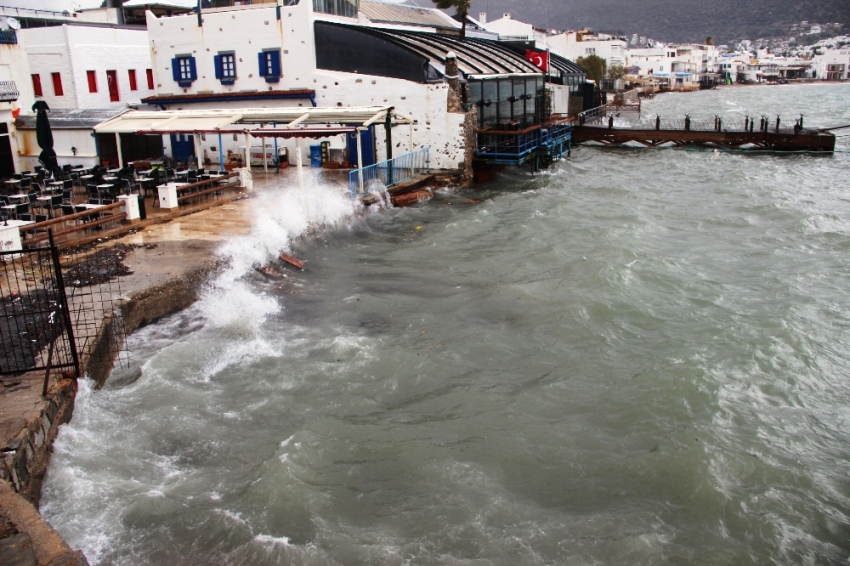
pixel 539 59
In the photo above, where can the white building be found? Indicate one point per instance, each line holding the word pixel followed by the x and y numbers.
pixel 575 44
pixel 511 29
pixel 15 94
pixel 327 54
pixel 831 60
pixel 85 73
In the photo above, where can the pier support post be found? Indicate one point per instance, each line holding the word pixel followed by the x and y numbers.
pixel 118 147
pixel 359 160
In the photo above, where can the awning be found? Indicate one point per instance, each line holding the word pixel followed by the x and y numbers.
pixel 61 119
pixel 246 119
pixel 684 74
pixel 289 133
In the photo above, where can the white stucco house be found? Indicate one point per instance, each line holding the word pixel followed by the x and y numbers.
pixel 329 54
pixel 15 95
pixel 575 44
pixel 86 72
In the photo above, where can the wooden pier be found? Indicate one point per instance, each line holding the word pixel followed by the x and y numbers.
pixel 602 126
pixel 804 140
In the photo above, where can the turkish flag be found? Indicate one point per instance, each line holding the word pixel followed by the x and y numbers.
pixel 540 59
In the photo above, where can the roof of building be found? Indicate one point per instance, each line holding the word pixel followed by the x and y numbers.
pixel 475 56
pixel 384 13
pixel 71 119
pixel 230 96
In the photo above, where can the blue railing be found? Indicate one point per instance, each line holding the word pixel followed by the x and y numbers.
pixel 385 174
pixel 503 147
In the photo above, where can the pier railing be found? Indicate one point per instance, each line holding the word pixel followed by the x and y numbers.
pixel 549 140
pixel 387 173
pixel 608 117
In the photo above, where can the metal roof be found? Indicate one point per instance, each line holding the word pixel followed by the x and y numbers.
pixel 244 119
pixel 380 12
pixel 71 119
pixel 474 56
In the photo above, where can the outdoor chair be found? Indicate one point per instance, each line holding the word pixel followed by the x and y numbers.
pixel 23 208
pixel 93 194
pixel 67 197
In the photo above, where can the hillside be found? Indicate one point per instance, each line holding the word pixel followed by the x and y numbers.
pixel 671 20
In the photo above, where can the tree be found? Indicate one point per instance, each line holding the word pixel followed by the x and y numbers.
pixel 460 6
pixel 595 67
pixel 616 71
pixel 709 40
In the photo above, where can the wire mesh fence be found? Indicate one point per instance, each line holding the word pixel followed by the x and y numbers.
pixel 60 312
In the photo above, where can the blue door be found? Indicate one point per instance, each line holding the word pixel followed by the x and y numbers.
pixel 367 144
pixel 182 147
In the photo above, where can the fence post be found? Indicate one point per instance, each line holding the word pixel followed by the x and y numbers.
pixel 63 300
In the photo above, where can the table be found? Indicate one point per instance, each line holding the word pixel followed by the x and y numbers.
pixel 110 178
pixel 113 170
pixel 13 182
pixel 56 183
pixel 10 237
pixel 19 196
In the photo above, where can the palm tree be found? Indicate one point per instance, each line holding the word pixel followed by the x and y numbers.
pixel 460 6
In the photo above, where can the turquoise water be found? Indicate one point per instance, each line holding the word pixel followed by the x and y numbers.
pixel 635 357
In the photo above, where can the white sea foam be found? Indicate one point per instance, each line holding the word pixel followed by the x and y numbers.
pixel 266 539
pixel 280 215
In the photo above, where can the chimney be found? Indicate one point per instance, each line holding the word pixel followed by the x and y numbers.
pixel 118 5
pixel 506 16
pixel 482 17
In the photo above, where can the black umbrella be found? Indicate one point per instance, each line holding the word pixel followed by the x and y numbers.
pixel 44 135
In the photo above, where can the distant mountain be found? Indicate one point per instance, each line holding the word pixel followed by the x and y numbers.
pixel 672 20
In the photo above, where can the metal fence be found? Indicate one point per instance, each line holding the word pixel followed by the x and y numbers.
pixel 382 175
pixel 59 312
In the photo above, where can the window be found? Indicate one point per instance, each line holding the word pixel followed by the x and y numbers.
pixel 57 84
pixel 36 85
pixel 225 68
pixel 270 65
pixel 131 74
pixel 347 8
pixel 590 51
pixel 183 70
pixel 112 83
pixel 92 78
pixel 149 73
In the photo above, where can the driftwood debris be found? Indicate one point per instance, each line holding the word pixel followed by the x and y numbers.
pixel 293 261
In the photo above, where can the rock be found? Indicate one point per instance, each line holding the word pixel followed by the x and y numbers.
pixel 76 558
pixel 17 551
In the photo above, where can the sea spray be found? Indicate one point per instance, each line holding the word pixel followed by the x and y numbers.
pixel 280 215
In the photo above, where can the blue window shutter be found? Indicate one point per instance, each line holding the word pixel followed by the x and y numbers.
pixel 261 56
pixel 193 71
pixel 219 70
pixel 275 56
pixel 175 69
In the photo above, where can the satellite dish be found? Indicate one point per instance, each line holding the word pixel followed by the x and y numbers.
pixel 13 23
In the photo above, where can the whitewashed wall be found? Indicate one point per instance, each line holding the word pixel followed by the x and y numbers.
pixel 63 142
pixel 74 50
pixel 224 30
pixel 14 66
